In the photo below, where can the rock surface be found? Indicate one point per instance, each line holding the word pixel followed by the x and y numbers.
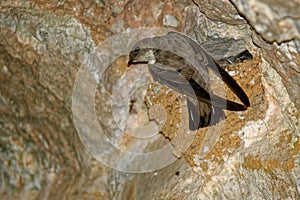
pixel 250 155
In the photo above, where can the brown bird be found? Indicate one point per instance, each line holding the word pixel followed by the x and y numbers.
pixel 178 62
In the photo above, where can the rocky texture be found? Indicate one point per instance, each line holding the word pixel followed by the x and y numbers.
pixel 273 20
pixel 251 155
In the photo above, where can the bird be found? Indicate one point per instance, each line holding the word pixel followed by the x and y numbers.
pixel 180 63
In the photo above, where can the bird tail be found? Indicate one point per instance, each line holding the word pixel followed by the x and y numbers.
pixel 217 115
pixel 203 115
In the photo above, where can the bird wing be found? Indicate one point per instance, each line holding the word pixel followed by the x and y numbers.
pixel 201 109
pixel 166 75
pixel 232 84
pixel 203 58
pixel 170 77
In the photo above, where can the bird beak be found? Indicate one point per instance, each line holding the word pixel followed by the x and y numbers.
pixel 130 62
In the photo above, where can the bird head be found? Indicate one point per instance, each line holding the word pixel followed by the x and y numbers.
pixel 139 56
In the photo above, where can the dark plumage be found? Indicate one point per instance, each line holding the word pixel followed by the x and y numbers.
pixel 180 63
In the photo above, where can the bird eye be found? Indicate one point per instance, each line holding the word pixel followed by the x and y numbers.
pixel 136 49
pixel 135 52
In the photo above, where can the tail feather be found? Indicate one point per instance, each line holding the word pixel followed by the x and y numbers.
pixel 217 115
pixel 203 115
